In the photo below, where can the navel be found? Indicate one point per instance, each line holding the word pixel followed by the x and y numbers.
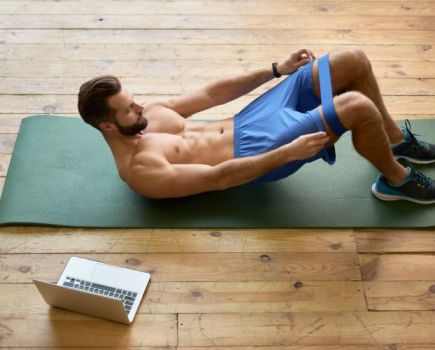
pixel 222 130
pixel 177 149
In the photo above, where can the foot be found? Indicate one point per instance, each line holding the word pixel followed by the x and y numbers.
pixel 412 149
pixel 417 188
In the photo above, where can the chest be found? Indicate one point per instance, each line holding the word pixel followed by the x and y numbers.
pixel 165 121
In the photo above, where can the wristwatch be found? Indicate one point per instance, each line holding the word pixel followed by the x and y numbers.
pixel 276 74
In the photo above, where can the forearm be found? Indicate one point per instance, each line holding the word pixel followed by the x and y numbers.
pixel 239 171
pixel 225 90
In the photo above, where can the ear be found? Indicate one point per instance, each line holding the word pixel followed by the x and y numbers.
pixel 106 126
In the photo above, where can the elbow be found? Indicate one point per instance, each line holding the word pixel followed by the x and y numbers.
pixel 215 96
pixel 220 179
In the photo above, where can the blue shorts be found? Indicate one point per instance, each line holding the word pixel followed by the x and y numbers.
pixel 282 114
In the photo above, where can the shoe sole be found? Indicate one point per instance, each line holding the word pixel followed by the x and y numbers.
pixel 415 161
pixel 391 197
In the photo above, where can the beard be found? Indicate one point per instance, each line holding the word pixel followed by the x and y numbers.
pixel 132 130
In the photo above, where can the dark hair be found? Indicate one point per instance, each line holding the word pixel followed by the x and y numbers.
pixel 93 97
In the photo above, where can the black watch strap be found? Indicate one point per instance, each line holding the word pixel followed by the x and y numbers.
pixel 276 74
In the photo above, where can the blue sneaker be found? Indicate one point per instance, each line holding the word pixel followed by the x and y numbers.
pixel 412 149
pixel 417 188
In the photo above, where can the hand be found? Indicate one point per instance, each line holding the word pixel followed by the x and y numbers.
pixel 294 61
pixel 306 146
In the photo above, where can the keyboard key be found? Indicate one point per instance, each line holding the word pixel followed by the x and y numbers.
pixel 82 283
pixel 118 291
pixel 68 284
pixel 111 295
pixel 86 288
pixel 129 294
pixel 116 295
pixel 106 293
pixel 87 284
pixel 100 286
pixel 134 295
pixel 91 290
pixel 129 298
pixel 128 303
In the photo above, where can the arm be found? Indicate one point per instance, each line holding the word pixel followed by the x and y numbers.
pixel 225 90
pixel 155 177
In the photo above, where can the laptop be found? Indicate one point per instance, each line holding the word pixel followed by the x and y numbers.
pixel 94 288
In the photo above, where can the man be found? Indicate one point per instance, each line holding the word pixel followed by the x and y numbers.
pixel 161 154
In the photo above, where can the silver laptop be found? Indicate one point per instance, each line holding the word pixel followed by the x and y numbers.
pixel 94 288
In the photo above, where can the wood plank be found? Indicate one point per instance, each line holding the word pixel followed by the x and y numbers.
pixel 420 106
pixel 320 347
pixel 393 267
pixel 21 240
pixel 5 159
pixel 167 69
pixel 230 8
pixel 394 241
pixel 205 36
pixel 7 143
pixel 181 69
pixel 230 54
pixel 216 297
pixel 240 21
pixel 98 347
pixel 104 348
pixel 345 328
pixel 67 329
pixel 204 267
pixel 290 347
pixel 176 85
pixel 398 296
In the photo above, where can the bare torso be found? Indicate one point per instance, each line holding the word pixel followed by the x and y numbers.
pixel 178 140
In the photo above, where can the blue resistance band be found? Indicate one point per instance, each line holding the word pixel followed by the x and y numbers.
pixel 329 112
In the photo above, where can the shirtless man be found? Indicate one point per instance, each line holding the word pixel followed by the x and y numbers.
pixel 160 153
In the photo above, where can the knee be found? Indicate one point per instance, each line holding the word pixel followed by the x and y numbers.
pixel 357 60
pixel 358 108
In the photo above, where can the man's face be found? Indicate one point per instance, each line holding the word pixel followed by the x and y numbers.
pixel 128 114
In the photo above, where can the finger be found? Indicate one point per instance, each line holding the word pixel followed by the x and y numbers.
pixel 311 53
pixel 318 135
pixel 302 53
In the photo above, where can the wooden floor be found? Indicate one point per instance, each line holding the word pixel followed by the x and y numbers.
pixel 226 289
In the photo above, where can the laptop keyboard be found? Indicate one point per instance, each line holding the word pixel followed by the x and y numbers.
pixel 127 297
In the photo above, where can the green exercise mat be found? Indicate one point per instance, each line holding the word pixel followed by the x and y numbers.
pixel 62 173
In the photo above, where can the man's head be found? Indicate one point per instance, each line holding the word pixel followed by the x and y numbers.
pixel 104 104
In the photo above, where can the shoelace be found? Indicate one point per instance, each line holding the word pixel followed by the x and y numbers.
pixel 422 179
pixel 412 136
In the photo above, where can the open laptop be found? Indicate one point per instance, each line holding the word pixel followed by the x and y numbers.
pixel 97 289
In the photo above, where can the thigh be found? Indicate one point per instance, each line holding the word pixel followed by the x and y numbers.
pixel 342 71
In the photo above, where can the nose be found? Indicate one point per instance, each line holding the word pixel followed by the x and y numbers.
pixel 138 108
